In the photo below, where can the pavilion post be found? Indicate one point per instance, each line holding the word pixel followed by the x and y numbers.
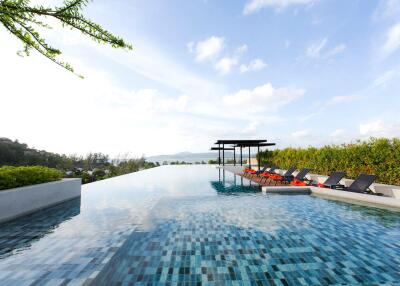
pixel 249 159
pixel 219 154
pixel 234 156
pixel 241 156
pixel 258 157
pixel 223 154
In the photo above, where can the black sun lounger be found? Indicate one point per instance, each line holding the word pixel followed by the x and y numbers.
pixel 300 177
pixel 250 175
pixel 285 177
pixel 333 180
pixel 360 184
pixel 271 171
pixel 261 171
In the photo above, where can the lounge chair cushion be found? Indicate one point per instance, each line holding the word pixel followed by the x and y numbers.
pixel 276 177
pixel 299 183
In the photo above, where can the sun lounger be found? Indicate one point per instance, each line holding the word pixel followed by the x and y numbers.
pixel 332 180
pixel 300 179
pixel 360 185
pixel 265 175
pixel 283 178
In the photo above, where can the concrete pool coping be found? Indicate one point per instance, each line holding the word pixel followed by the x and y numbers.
pixel 365 199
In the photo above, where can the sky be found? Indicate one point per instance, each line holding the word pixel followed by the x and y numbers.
pixel 295 72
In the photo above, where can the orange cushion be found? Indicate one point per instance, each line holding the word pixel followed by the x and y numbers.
pixel 276 177
pixel 298 183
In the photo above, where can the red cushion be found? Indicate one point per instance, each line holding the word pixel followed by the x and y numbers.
pixel 276 177
pixel 298 183
pixel 321 185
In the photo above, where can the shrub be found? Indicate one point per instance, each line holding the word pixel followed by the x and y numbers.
pixel 14 177
pixel 375 156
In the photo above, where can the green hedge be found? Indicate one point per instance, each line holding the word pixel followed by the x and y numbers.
pixel 14 177
pixel 375 156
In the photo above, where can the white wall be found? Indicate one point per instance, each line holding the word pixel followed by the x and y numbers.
pixel 21 201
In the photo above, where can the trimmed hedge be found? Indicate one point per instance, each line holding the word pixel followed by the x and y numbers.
pixel 14 177
pixel 375 156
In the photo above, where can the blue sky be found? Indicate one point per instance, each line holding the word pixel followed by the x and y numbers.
pixel 297 72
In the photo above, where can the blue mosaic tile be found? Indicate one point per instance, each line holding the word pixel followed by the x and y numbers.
pixel 260 240
pixel 196 226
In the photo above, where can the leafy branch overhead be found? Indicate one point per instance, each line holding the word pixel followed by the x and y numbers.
pixel 22 19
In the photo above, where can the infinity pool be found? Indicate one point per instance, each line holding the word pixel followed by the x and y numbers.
pixel 196 225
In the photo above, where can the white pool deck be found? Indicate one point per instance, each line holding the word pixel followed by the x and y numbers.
pixel 390 198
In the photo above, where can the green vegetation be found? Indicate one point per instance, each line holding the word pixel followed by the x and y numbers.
pixel 24 21
pixel 14 177
pixel 91 168
pixel 375 156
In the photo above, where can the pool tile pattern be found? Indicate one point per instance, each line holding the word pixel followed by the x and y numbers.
pixel 37 255
pixel 273 241
pixel 188 228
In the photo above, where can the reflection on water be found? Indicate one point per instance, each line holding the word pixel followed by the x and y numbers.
pixel 382 216
pixel 230 183
pixel 21 233
pixel 210 225
pixel 253 239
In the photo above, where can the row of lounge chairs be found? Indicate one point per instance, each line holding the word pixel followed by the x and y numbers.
pixel 269 175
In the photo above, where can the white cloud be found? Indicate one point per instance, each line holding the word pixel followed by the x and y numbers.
pixel 337 133
pixel 225 65
pixel 256 5
pixel 262 98
pixel 254 65
pixel 190 47
pixel 318 50
pixel 242 49
pixel 392 42
pixel 386 9
pixel 343 99
pixel 301 134
pixel 386 78
pixel 314 50
pixel 336 50
pixel 380 128
pixel 155 65
pixel 59 112
pixel 207 49
pixel 339 136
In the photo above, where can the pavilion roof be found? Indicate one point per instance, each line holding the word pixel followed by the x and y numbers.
pixel 240 141
pixel 222 148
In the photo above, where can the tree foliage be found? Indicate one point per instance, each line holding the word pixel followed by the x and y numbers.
pixel 379 156
pixel 92 167
pixel 22 20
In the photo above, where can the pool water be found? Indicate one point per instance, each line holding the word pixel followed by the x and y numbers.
pixel 196 225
